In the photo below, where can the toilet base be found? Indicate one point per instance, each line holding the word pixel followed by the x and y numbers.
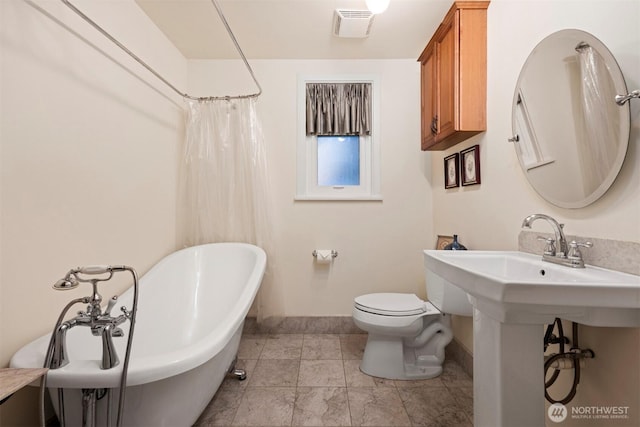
pixel 391 358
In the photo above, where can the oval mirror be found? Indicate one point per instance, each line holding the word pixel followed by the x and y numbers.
pixel 570 135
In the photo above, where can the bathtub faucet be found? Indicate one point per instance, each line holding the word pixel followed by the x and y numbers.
pixel 101 323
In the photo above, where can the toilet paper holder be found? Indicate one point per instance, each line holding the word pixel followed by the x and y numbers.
pixel 334 253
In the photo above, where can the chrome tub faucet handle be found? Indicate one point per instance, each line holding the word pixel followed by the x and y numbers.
pixel 112 302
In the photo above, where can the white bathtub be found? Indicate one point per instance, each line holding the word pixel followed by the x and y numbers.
pixel 191 309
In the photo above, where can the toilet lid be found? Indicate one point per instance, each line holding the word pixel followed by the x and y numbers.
pixel 391 304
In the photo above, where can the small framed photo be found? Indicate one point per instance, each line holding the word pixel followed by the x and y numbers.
pixel 470 165
pixel 451 175
pixel 443 241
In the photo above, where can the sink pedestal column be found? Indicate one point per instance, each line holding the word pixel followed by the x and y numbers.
pixel 508 369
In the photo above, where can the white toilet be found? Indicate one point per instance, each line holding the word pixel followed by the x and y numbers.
pixel 407 335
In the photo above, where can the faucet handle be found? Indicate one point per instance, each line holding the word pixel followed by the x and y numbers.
pixel 550 247
pixel 574 250
pixel 112 302
pixel 575 245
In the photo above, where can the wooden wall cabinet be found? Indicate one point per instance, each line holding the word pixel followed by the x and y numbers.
pixel 454 77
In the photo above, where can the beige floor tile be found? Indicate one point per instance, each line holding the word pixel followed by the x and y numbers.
pixel 355 378
pixel 282 346
pixel 380 406
pixel 315 379
pixel 222 409
pixel 321 373
pixel 275 373
pixel 266 406
pixel 352 345
pixel 464 398
pixel 433 407
pixel 321 346
pixel 251 346
pixel 453 375
pixel 431 382
pixel 321 406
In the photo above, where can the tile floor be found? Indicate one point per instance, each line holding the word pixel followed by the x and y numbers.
pixel 314 380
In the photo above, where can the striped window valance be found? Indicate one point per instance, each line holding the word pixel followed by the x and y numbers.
pixel 338 108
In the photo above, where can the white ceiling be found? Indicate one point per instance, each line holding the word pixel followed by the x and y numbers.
pixel 293 29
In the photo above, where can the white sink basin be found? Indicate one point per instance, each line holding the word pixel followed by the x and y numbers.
pixel 516 287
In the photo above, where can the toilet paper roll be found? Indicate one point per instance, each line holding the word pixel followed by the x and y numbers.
pixel 324 256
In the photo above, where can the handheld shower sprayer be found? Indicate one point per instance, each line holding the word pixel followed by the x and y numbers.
pixel 66 283
pixel 71 280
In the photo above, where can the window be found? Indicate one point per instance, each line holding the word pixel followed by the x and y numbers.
pixel 338 162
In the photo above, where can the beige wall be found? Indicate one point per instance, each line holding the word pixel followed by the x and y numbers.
pixel 90 146
pixel 379 243
pixel 489 216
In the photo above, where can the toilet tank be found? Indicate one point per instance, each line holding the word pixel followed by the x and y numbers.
pixel 447 297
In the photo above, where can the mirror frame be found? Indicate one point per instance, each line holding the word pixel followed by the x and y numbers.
pixel 625 116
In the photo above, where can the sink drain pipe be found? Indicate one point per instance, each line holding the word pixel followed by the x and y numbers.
pixel 571 359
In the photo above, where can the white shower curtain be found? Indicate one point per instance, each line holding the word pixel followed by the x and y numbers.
pixel 224 182
pixel 598 149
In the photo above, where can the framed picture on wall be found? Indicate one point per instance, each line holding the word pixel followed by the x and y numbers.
pixel 470 165
pixel 451 174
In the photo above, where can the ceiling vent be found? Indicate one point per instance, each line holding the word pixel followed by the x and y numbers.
pixel 352 23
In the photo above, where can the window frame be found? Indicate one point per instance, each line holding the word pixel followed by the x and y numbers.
pixel 307 149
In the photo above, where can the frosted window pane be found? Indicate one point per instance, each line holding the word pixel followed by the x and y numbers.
pixel 338 160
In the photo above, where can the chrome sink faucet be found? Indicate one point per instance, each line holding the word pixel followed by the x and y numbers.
pixel 558 251
pixel 561 240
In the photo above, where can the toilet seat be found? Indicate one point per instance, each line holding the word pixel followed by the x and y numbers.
pixel 393 304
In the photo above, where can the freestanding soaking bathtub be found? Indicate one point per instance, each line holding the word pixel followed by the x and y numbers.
pixel 191 310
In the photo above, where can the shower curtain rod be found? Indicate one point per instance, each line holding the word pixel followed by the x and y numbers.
pixel 155 73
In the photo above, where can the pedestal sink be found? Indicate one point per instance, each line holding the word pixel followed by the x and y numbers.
pixel 514 294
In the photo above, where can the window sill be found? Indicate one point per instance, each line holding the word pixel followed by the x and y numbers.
pixel 372 198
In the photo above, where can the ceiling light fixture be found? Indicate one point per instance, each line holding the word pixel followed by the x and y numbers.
pixel 377 6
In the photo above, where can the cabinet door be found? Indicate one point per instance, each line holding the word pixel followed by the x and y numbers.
pixel 428 96
pixel 447 56
pixel 453 78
